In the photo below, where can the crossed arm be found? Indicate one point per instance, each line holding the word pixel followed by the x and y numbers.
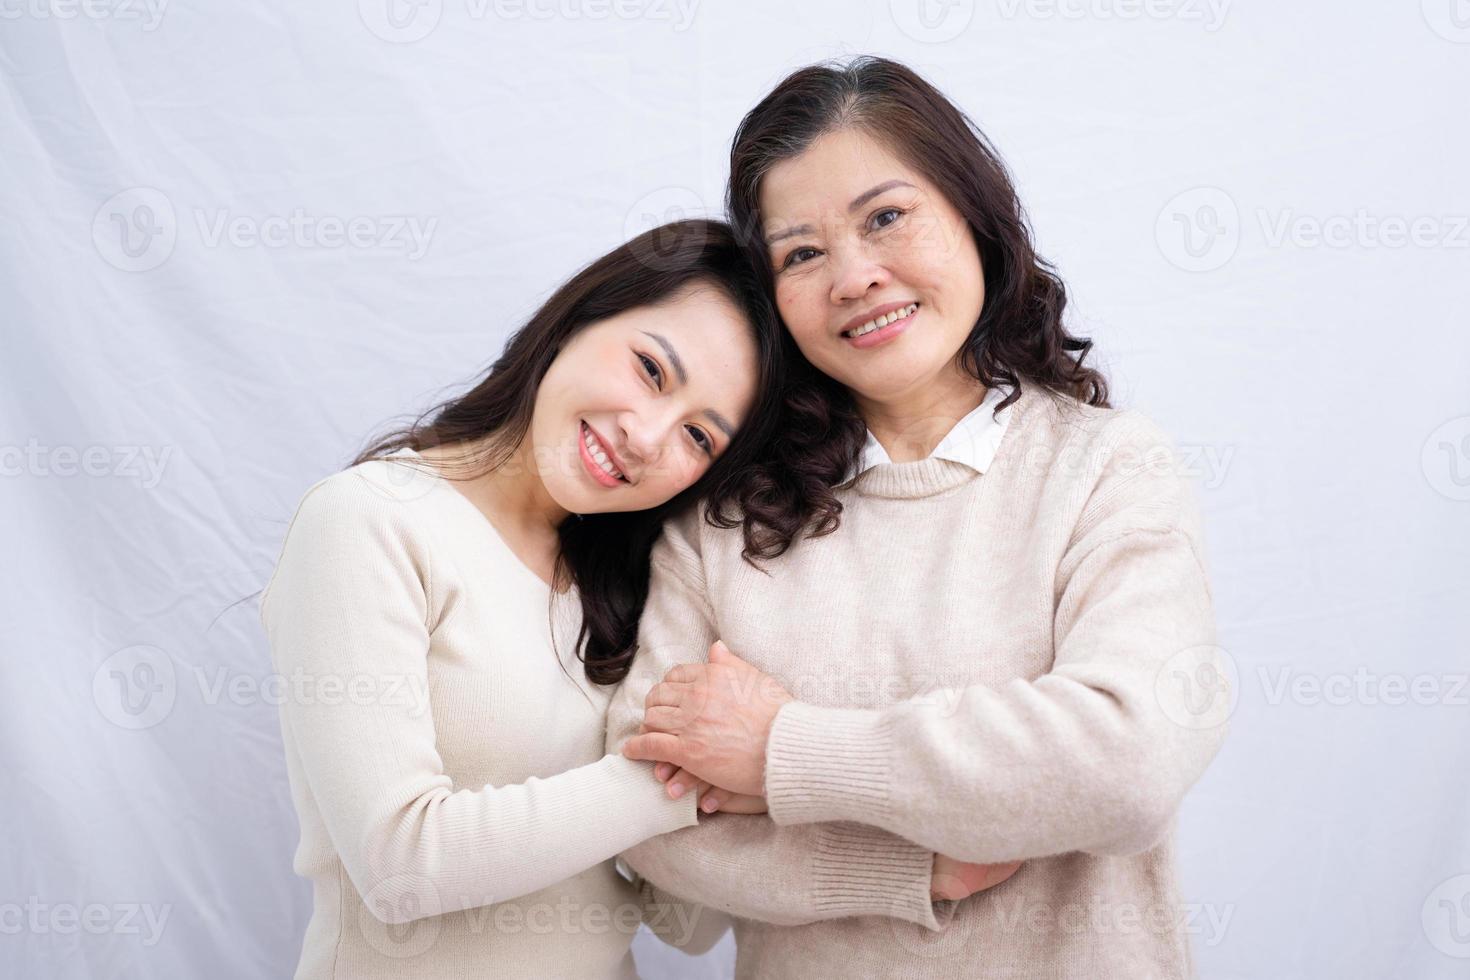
pixel 747 865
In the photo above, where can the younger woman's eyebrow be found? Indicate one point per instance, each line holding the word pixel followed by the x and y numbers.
pixel 722 422
pixel 673 355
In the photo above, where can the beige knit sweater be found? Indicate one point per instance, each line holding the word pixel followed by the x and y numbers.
pixel 1015 665
pixel 459 817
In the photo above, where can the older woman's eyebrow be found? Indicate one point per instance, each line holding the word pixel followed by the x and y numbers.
pixel 857 202
pixel 873 192
pixel 673 355
pixel 789 233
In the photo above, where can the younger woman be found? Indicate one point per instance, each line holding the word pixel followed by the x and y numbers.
pixel 458 813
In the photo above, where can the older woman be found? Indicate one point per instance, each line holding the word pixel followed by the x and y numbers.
pixel 990 646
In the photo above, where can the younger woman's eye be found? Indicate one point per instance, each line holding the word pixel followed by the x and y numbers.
pixel 701 439
pixel 651 367
pixel 886 217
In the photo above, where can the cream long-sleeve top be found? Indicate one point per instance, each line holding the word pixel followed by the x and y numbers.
pixel 1010 664
pixel 459 814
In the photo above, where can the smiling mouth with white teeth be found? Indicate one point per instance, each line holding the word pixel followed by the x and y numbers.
pixel 879 322
pixel 594 449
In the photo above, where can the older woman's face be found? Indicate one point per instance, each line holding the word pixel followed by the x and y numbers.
pixel 877 275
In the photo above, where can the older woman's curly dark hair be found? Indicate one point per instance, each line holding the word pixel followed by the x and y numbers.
pixel 1018 339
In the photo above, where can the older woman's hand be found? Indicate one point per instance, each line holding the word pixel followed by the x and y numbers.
pixel 713 719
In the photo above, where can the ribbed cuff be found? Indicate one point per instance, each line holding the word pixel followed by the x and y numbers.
pixel 828 764
pixel 656 906
pixel 861 870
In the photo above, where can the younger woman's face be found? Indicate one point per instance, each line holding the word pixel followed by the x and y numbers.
pixel 877 275
pixel 636 407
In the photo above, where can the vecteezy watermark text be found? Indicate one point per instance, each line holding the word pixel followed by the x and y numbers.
pixel 95 918
pixel 142 463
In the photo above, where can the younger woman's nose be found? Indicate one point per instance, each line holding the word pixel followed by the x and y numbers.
pixel 646 434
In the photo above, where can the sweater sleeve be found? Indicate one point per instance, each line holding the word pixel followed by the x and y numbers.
pixel 351 604
pixel 745 864
pixel 1093 756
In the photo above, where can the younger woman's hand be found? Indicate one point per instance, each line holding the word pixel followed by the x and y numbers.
pixel 955 880
pixel 714 798
pixel 724 801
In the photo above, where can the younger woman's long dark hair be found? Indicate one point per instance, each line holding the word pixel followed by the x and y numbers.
pixel 607 555
pixel 1019 334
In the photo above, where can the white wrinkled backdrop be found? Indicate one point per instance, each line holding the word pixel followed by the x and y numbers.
pixel 236 239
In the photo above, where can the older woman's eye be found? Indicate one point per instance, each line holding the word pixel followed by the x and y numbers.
pixel 798 255
pixel 886 217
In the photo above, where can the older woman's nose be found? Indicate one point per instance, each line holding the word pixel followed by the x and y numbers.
pixel 855 273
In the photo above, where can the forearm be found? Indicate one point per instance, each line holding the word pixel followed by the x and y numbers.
pixel 752 868
pixel 449 850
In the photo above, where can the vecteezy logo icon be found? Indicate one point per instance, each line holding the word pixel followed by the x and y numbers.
pixel 932 21
pixel 135 230
pixel 1199 230
pixel 1446 917
pixel 135 688
pixel 1197 687
pixel 657 208
pixel 1445 459
pixel 1450 19
pixel 400 21
pixel 400 916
